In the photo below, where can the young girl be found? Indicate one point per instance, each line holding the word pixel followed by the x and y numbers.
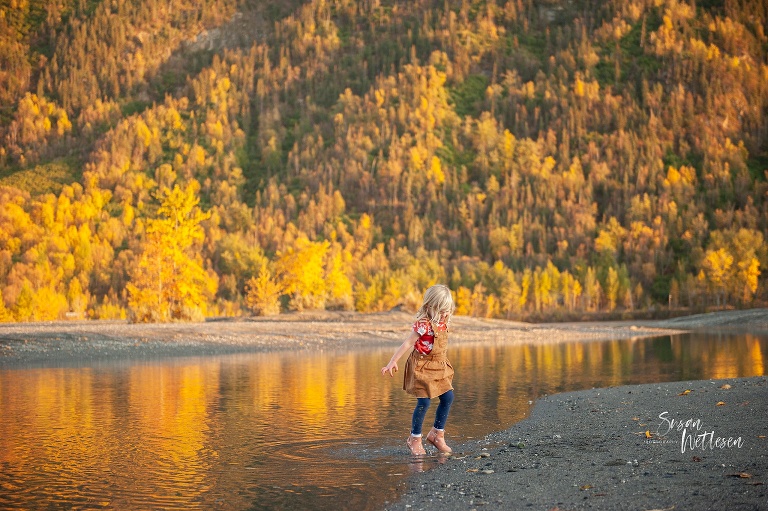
pixel 428 373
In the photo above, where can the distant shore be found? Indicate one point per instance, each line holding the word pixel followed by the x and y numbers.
pixel 75 342
pixel 659 446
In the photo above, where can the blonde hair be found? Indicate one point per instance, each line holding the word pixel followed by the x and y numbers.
pixel 438 303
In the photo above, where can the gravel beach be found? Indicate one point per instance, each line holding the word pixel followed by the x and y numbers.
pixel 81 342
pixel 698 445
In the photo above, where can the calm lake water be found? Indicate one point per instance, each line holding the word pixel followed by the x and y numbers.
pixel 290 430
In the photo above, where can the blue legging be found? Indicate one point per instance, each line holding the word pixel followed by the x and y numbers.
pixel 441 416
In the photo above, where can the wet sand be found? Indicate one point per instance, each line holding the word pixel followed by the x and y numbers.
pixel 590 450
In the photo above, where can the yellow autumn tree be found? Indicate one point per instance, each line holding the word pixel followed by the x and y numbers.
pixel 48 304
pixel 592 290
pixel 612 285
pixel 525 287
pixel 263 293
pixel 5 314
pixel 716 270
pixel 301 274
pixel 746 247
pixel 747 274
pixel 77 299
pixel 571 289
pixel 463 299
pixel 338 284
pixel 168 282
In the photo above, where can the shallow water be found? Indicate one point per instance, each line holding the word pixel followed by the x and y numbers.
pixel 291 430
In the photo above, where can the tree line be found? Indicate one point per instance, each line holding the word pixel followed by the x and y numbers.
pixel 541 159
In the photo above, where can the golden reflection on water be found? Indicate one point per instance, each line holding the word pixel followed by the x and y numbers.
pixel 285 430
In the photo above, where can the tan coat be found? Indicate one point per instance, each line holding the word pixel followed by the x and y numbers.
pixel 429 375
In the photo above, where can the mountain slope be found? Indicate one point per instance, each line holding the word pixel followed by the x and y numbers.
pixel 541 158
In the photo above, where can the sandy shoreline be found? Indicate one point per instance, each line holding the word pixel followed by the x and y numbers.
pixel 75 342
pixel 23 344
pixel 589 450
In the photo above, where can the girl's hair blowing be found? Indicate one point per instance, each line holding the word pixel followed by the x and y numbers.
pixel 437 302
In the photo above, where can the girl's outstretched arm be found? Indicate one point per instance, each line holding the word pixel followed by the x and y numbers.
pixel 391 368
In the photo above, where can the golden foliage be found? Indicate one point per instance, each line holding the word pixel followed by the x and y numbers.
pixel 168 283
pixel 263 293
pixel 598 166
pixel 300 271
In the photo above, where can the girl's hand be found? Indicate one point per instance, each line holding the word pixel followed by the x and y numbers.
pixel 390 368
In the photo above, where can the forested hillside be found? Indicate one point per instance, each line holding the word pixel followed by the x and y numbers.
pixel 175 160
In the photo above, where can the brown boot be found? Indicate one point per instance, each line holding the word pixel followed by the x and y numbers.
pixel 436 437
pixel 415 445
